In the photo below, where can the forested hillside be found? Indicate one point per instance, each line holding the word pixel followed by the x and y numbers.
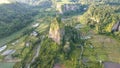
pixel 14 17
pixel 101 18
pixel 60 34
pixel 107 1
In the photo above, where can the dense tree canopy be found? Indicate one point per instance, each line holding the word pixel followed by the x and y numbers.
pixel 13 17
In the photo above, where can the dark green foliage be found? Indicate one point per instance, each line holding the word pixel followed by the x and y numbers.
pixel 102 17
pixel 48 54
pixel 111 2
pixel 14 17
pixel 28 31
pixel 71 34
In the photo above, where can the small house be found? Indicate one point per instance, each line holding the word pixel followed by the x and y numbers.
pixel 34 33
pixel 3 48
pixel 35 25
pixel 27 44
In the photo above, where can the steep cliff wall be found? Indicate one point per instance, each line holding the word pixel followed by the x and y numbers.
pixel 54 32
pixel 71 9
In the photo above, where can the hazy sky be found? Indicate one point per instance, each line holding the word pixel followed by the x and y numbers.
pixel 4 1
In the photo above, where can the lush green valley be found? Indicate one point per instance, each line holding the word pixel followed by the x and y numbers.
pixel 60 34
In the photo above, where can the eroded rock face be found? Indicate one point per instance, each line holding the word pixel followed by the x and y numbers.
pixel 54 32
pixel 68 7
pixel 73 7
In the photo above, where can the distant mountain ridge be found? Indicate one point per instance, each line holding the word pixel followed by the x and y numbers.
pixel 30 2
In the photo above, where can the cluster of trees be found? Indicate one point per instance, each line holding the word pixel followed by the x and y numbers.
pixel 71 34
pixel 103 1
pixel 47 55
pixel 101 17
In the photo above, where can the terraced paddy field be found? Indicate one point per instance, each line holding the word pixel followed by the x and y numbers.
pixel 104 48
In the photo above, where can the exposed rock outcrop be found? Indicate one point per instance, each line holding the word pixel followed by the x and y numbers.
pixel 75 8
pixel 54 32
